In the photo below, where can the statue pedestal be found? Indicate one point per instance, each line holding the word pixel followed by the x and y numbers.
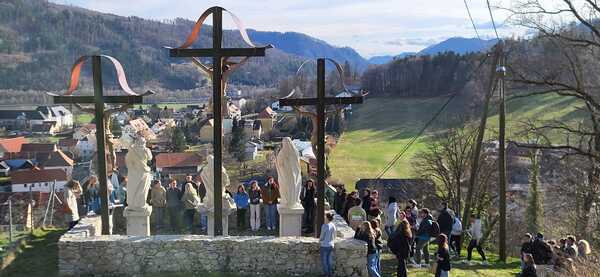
pixel 210 230
pixel 290 221
pixel 138 220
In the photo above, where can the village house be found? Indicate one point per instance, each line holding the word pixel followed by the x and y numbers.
pixel 139 126
pixel 83 131
pixel 206 131
pixel 11 147
pixel 4 169
pixel 37 151
pixel 67 145
pixel 37 179
pixel 236 98
pixel 58 160
pixel 41 120
pixel 178 165
pixel 267 118
pixel 85 148
pixel 20 164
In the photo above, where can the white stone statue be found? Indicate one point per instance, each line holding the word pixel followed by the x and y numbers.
pixel 289 174
pixel 138 171
pixel 208 180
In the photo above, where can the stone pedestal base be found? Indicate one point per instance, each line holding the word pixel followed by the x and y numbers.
pixel 290 221
pixel 211 223
pixel 138 220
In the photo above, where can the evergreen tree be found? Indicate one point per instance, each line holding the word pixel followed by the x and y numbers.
pixel 535 208
pixel 238 140
pixel 178 141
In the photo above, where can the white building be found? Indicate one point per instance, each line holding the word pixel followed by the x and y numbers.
pixel 38 180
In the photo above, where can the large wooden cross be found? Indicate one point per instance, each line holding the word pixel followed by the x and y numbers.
pixel 218 73
pixel 319 118
pixel 99 100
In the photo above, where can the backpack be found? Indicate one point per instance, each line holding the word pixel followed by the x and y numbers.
pixel 434 231
pixel 395 243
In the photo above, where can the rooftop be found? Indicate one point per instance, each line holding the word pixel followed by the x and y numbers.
pixel 184 159
pixel 38 147
pixel 58 158
pixel 12 145
pixel 37 175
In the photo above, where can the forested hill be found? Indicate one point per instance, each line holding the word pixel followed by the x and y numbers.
pixel 39 41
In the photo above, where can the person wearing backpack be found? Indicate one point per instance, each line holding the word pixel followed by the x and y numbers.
pixel 424 232
pixel 400 242
pixel 445 220
pixel 476 234
pixel 455 236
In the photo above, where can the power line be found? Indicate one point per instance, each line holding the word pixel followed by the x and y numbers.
pixel 492 17
pixel 471 18
pixel 414 138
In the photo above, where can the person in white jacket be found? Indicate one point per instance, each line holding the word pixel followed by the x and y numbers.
pixel 476 234
pixel 455 236
pixel 391 216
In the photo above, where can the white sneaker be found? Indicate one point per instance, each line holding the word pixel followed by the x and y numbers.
pixel 412 261
pixel 425 266
pixel 485 263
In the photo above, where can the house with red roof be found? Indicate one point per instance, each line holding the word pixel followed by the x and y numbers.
pixel 37 150
pixel 11 147
pixel 178 165
pixel 267 118
pixel 37 179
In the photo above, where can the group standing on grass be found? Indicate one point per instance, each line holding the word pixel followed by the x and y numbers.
pixel 175 197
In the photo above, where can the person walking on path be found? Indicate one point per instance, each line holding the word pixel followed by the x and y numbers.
pixel 391 216
pixel 399 243
pixel 340 200
pixel 366 234
pixel 308 202
pixel 174 195
pixel 476 234
pixel 255 196
pixel 71 193
pixel 456 236
pixel 271 199
pixel 327 239
pixel 158 201
pixel 443 257
pixel 423 237
pixel 242 202
pixel 190 201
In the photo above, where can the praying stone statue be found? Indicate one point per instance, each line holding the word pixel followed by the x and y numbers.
pixel 228 205
pixel 289 174
pixel 290 186
pixel 138 184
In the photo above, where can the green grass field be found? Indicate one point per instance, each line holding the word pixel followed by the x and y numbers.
pixel 381 127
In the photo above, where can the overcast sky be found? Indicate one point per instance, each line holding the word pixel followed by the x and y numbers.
pixel 372 27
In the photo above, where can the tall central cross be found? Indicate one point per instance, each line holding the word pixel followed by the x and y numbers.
pixel 218 74
pixel 99 99
pixel 321 103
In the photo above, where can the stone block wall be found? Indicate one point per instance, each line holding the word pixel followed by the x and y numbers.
pixel 83 251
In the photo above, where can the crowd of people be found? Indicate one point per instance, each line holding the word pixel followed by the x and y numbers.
pixel 540 257
pixel 409 232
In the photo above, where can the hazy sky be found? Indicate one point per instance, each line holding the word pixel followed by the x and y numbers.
pixel 372 27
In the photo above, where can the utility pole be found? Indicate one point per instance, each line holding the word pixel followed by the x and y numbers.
pixel 501 72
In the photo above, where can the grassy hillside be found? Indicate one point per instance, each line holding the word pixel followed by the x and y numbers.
pixel 381 127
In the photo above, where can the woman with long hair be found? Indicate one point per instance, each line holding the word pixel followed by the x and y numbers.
pixel 255 195
pixel 242 201
pixel 308 202
pixel 443 257
pixel 91 195
pixel 375 223
pixel 190 201
pixel 367 234
pixel 71 193
pixel 583 247
pixel 271 199
pixel 400 242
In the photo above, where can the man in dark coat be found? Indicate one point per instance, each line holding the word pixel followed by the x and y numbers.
pixel 445 220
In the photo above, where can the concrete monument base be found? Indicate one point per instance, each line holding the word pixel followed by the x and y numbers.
pixel 138 220
pixel 211 223
pixel 290 221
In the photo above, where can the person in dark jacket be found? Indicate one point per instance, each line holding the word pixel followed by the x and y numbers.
pixel 270 195
pixel 351 199
pixel 445 220
pixel 526 248
pixel 443 257
pixel 174 195
pixel 340 200
pixel 423 236
pixel 366 200
pixel 308 202
pixel 529 269
pixel 366 234
pixel 400 242
pixel 378 240
pixel 201 189
pixel 255 196
pixel 542 251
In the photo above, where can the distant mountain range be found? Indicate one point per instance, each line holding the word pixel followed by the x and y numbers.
pixel 457 45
